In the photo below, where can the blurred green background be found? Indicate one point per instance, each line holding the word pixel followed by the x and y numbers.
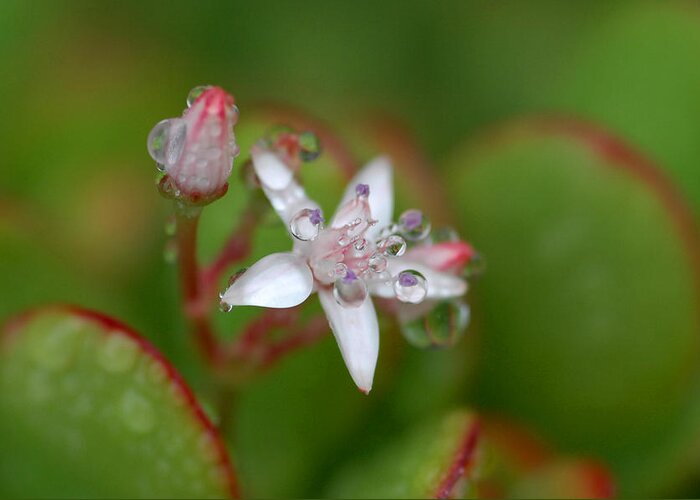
pixel 586 324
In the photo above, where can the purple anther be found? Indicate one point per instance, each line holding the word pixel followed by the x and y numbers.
pixel 316 217
pixel 412 219
pixel 349 277
pixel 407 279
pixel 362 190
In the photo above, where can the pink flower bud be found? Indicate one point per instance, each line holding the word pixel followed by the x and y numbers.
pixel 196 151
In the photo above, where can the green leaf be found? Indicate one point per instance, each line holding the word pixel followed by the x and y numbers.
pixel 429 461
pixel 588 311
pixel 93 410
pixel 638 72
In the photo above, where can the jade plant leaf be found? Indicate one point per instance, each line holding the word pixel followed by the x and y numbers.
pixel 431 460
pixel 638 73
pixel 589 316
pixel 97 411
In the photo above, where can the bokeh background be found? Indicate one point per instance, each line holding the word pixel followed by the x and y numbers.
pixel 564 134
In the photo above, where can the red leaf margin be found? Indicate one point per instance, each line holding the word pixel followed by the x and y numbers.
pixel 113 326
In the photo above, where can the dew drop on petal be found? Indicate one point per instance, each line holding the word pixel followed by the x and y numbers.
pixel 340 270
pixel 393 246
pixel 350 291
pixel 442 326
pixel 225 307
pixel 410 286
pixel 306 224
pixel 309 146
pixel 195 93
pixel 414 225
pixel 157 141
pixel 377 263
pixel 235 277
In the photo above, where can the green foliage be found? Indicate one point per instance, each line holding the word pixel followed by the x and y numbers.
pixel 589 308
pixel 415 465
pixel 88 410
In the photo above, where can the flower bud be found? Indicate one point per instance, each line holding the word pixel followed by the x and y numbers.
pixel 196 151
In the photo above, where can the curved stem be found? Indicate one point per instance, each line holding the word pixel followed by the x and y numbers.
pixel 195 308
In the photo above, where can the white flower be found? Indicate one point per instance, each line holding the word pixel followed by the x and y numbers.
pixel 359 253
pixel 196 151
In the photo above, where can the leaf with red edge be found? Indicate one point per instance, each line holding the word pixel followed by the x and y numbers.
pixel 433 460
pixel 94 410
pixel 588 317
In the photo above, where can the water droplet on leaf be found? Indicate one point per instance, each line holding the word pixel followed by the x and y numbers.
pixel 137 412
pixel 117 353
pixel 410 286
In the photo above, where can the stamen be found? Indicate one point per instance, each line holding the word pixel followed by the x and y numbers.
pixel 407 279
pixel 316 217
pixel 349 277
pixel 362 190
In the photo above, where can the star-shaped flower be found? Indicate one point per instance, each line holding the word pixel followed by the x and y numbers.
pixel 360 252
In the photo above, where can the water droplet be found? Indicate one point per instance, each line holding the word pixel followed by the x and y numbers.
pixel 225 307
pixel 306 224
pixel 393 246
pixel 235 277
pixel 444 235
pixel 475 267
pixel 55 350
pixel 137 412
pixel 377 263
pixel 340 270
pixel 171 226
pixel 170 251
pixel 117 353
pixel 410 286
pixel 350 291
pixel 414 225
pixel 195 93
pixel 309 146
pixel 360 245
pixel 166 142
pixel 442 326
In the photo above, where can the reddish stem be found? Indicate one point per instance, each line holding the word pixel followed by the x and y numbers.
pixel 195 306
pixel 307 335
pixel 236 248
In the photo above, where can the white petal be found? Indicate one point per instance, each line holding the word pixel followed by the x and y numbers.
pixel 440 285
pixel 278 280
pixel 357 332
pixel 271 171
pixel 379 176
pixel 288 199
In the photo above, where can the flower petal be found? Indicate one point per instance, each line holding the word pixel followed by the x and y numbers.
pixel 378 175
pixel 357 332
pixel 279 280
pixel 286 196
pixel 441 285
pixel 446 256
